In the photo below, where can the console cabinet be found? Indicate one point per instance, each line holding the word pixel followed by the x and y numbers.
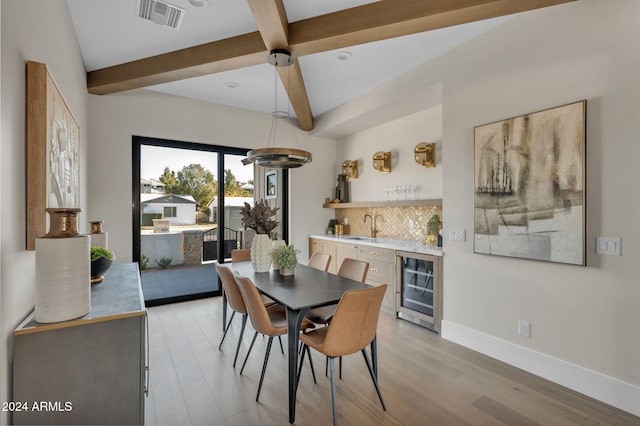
pixel 90 370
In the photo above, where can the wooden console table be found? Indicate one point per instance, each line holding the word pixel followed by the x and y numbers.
pixel 90 370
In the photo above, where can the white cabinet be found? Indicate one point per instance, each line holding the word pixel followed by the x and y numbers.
pixel 343 251
pixel 381 262
pixel 324 247
pixel 381 270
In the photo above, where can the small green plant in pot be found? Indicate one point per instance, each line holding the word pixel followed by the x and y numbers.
pixel 101 261
pixel 286 259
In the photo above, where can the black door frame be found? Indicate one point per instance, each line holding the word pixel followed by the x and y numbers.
pixel 138 141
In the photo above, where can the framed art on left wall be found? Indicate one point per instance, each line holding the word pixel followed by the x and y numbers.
pixel 52 144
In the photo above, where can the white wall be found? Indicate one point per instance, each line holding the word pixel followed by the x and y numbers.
pixel 587 316
pixel 399 137
pixel 115 118
pixel 40 31
pixel 585 321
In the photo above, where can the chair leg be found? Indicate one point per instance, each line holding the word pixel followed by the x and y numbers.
pixel 264 366
pixel 313 370
pixel 302 352
pixel 333 388
pixel 244 323
pixel 226 329
pixel 340 362
pixel 374 378
pixel 281 347
pixel 249 352
pixel 305 349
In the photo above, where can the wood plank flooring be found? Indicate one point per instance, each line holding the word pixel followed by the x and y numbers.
pixel 425 380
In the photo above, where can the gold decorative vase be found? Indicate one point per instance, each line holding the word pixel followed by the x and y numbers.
pixel 98 236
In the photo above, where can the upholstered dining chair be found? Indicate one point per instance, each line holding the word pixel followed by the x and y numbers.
pixel 352 328
pixel 244 255
pixel 268 321
pixel 349 268
pixel 240 255
pixel 236 302
pixel 320 261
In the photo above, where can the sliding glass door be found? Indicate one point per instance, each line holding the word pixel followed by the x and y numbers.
pixel 186 200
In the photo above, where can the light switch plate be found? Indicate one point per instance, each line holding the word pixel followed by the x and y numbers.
pixel 608 245
pixel 456 234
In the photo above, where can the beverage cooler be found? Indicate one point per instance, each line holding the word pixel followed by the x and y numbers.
pixel 419 289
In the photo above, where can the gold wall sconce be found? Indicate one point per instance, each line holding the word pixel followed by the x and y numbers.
pixel 382 161
pixel 350 168
pixel 425 154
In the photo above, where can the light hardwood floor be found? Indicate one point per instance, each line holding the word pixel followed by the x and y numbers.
pixel 425 380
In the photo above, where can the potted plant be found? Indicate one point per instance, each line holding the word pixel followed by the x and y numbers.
pixel 259 219
pixel 101 261
pixel 286 259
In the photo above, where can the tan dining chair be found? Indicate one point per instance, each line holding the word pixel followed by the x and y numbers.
pixel 320 261
pixel 352 328
pixel 268 321
pixel 236 302
pixel 240 255
pixel 244 255
pixel 350 268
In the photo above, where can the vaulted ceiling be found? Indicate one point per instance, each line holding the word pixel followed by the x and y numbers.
pixel 341 48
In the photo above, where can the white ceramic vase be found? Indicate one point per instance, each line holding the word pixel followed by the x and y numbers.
pixel 63 289
pixel 261 253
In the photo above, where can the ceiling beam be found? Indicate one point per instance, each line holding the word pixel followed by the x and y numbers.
pixel 364 24
pixel 273 26
pixel 222 55
pixel 395 18
pixel 272 22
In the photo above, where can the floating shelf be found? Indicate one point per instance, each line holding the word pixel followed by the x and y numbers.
pixel 402 203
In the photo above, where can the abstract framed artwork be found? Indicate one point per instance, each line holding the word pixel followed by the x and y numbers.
pixel 529 186
pixel 271 185
pixel 52 143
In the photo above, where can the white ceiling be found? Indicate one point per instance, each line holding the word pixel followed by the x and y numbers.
pixel 109 33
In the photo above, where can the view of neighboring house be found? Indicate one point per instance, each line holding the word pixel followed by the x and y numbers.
pixel 232 206
pixel 150 186
pixel 179 209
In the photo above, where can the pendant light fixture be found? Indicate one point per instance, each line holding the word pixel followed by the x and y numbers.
pixel 272 157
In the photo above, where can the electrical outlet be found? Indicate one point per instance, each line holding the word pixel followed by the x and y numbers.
pixel 524 328
pixel 456 234
pixel 608 245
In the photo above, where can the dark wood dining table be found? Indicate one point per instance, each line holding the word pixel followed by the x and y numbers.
pixel 307 288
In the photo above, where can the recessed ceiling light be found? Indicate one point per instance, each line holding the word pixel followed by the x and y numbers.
pixel 232 84
pixel 199 3
pixel 344 56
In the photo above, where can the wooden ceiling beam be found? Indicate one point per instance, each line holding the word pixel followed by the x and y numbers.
pixel 395 18
pixel 273 26
pixel 222 55
pixel 293 82
pixel 272 22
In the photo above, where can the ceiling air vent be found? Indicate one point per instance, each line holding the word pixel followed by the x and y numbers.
pixel 159 12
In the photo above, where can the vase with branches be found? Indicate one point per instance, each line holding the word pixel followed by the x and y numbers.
pixel 259 218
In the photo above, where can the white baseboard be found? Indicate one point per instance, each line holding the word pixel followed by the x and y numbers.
pixel 609 390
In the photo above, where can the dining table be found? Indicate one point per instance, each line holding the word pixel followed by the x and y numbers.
pixel 307 288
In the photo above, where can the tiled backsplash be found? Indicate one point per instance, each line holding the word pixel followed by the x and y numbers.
pixel 404 223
